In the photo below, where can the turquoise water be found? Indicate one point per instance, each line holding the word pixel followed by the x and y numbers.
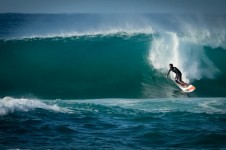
pixel 110 66
pixel 83 67
pixel 89 82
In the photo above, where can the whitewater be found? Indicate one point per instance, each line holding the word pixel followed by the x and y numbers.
pixel 93 81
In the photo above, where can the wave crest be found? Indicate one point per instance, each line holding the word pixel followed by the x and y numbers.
pixel 10 105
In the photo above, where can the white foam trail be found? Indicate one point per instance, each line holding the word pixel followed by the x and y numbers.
pixel 210 107
pixel 159 105
pixel 10 105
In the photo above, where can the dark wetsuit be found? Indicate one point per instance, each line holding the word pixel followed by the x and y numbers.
pixel 178 73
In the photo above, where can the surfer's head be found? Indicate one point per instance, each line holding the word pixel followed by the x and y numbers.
pixel 170 65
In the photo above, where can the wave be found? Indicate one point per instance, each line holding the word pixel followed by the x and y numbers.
pixel 10 105
pixel 108 66
pixel 131 107
pixel 140 120
pixel 86 56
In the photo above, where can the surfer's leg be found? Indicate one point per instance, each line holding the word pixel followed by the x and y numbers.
pixel 177 80
pixel 179 77
pixel 181 82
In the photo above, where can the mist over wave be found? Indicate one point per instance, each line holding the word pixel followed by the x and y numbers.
pixel 32 26
pixel 206 29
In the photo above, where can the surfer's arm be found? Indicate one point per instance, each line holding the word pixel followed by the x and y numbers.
pixel 168 73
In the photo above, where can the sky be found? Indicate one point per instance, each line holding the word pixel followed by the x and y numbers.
pixel 113 6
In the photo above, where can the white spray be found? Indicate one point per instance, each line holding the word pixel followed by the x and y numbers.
pixel 184 54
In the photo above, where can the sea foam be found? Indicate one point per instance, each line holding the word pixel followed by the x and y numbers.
pixel 11 105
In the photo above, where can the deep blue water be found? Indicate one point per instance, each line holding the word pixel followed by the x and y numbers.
pixel 113 123
pixel 99 82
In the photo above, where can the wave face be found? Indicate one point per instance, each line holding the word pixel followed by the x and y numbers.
pixel 110 66
pixel 107 56
pixel 82 67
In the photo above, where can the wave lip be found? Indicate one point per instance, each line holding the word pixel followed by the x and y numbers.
pixel 102 31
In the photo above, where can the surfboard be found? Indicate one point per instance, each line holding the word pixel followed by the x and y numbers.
pixel 186 88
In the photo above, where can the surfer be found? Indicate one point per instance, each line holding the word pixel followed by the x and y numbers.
pixel 178 78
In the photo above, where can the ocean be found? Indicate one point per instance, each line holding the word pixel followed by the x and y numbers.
pixel 94 81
